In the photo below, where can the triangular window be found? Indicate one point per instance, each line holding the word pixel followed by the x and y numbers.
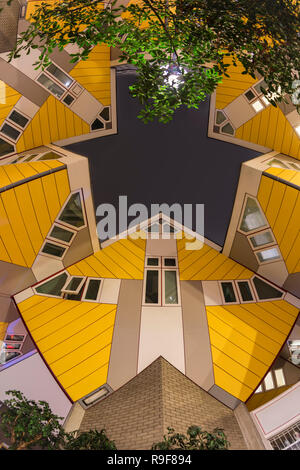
pixel 72 214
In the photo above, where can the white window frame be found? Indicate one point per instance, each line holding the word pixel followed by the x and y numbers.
pixel 261 247
pixel 164 303
pixel 268 261
pixel 17 125
pixel 60 244
pixel 234 289
pixel 259 229
pixel 152 266
pixel 88 279
pixel 74 292
pixel 62 222
pixel 6 136
pixel 169 267
pixel 267 282
pixel 74 232
pixel 148 304
pixel 48 279
pixel 251 290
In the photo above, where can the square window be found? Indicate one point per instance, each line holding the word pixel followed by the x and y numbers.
pixel 152 261
pixel 18 118
pixel 269 254
pixel 250 95
pixel 262 238
pixel 228 292
pixel 257 106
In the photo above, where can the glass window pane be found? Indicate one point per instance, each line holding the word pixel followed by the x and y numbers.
pixel 61 234
pixel 60 75
pixel 228 292
pixel 93 289
pixel 50 156
pixel 105 113
pixel 170 262
pixel 6 356
pixel 220 117
pixel 53 250
pixel 53 286
pixel 228 129
pixel 5 147
pixel 245 291
pixel 14 338
pixel 277 163
pixel 12 345
pixel 51 85
pixel 279 377
pixel 265 290
pixel 74 284
pixel 259 389
pixel 10 131
pixel 28 159
pixel 268 255
pixel 75 296
pixel 250 95
pixel 151 296
pixel 97 124
pixel 18 119
pixel 269 384
pixel 171 294
pixel 72 214
pixel 152 262
pixel 252 217
pixel 261 239
pixel 68 100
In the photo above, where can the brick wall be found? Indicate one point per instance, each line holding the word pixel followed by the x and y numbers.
pixel 138 414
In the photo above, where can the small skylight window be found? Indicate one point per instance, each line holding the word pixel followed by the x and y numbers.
pixel 257 106
pixel 297 129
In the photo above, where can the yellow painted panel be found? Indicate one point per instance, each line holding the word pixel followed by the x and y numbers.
pixel 192 256
pixel 40 206
pixel 30 302
pixel 280 313
pixel 229 365
pixel 26 170
pixel 264 192
pixel 285 213
pixel 4 179
pixel 246 315
pixel 9 239
pixel 296 178
pixel 129 255
pixel 16 222
pixel 63 186
pixel 294 311
pixel 94 264
pixel 133 248
pixel 85 367
pixel 85 267
pixel 29 216
pixel 89 383
pixel 86 350
pixel 208 271
pixel 231 385
pixel 56 317
pixel 4 256
pixel 235 272
pixel 3 328
pixel 239 339
pixel 195 270
pixel 131 270
pixel 275 201
pixel 68 336
pixel 267 317
pixel 111 265
pixel 227 266
pixel 81 337
pixel 13 173
pixel 291 232
pixel 51 194
pixel 240 325
pixel 36 305
pixel 9 99
pixel 240 356
pixel 74 271
pixel 294 255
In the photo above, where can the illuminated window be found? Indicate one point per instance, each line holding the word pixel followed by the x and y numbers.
pixel 252 218
pixel 270 254
pixel 53 286
pixel 261 239
pixel 257 106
